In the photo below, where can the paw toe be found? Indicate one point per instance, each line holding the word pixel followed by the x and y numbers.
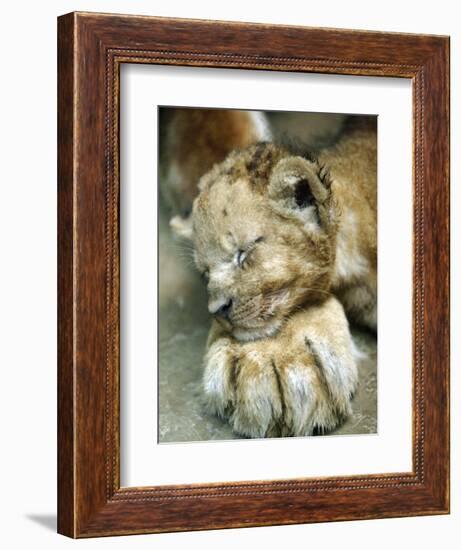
pixel 258 406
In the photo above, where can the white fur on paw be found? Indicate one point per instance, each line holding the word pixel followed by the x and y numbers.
pixel 217 378
pixel 258 404
pixel 300 399
pixel 339 372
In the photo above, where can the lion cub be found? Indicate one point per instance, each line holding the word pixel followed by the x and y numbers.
pixel 287 245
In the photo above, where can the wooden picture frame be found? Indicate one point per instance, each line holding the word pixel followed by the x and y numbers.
pixel 91 48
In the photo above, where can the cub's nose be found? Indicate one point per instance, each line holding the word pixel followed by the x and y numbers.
pixel 221 309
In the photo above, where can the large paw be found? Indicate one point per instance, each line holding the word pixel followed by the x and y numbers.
pixel 277 387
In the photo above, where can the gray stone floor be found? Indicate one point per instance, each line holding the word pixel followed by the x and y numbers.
pixel 183 328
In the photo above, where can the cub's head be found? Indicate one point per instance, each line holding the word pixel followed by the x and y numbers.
pixel 264 229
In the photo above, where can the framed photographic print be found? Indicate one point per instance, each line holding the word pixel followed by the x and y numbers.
pixel 253 259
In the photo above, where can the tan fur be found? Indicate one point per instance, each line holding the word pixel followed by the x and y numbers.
pixel 192 141
pixel 353 168
pixel 287 385
pixel 279 361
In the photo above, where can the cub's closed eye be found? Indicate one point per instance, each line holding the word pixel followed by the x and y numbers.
pixel 242 254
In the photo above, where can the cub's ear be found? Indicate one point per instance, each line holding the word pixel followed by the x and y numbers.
pixel 297 189
pixel 182 227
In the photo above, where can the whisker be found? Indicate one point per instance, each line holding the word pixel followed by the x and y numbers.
pixel 318 290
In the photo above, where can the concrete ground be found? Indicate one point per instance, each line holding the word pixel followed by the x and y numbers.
pixel 183 329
